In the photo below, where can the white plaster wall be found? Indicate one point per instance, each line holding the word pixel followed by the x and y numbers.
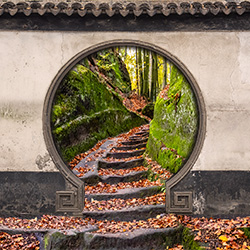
pixel 219 61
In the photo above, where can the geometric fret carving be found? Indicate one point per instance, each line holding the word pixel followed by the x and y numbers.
pixel 71 201
pixel 182 202
pixel 66 201
pixel 182 199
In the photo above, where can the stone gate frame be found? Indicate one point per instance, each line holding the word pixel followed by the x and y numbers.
pixel 70 200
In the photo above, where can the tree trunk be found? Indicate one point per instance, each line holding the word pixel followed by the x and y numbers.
pixel 145 91
pixel 137 70
pixel 165 73
pixel 154 80
pixel 139 65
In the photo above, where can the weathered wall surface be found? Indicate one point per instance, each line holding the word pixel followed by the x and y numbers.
pixel 29 194
pixel 217 60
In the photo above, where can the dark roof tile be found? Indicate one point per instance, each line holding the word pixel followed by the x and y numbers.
pixel 137 8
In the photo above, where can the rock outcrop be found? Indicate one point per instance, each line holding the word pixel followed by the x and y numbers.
pixel 174 127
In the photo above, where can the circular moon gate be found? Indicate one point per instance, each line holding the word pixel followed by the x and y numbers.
pixel 48 105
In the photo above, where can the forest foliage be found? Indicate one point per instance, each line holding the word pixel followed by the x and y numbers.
pixel 149 72
pixel 89 104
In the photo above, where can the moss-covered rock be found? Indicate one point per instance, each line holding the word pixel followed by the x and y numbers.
pixel 108 65
pixel 87 110
pixel 148 110
pixel 174 127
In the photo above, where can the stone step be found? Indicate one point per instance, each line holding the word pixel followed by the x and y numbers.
pixel 120 164
pixel 127 214
pixel 102 151
pixel 131 147
pixel 137 137
pixel 133 142
pixel 139 239
pixel 119 155
pixel 114 179
pixel 94 178
pixel 142 133
pixel 126 193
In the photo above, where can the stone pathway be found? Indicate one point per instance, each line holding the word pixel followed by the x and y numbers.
pixel 114 155
pixel 117 187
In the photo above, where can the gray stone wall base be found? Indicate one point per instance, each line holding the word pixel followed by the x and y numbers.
pixel 212 194
pixel 29 194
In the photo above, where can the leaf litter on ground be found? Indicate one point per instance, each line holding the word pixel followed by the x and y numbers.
pixel 121 172
pixel 101 187
pixel 217 233
pixel 117 204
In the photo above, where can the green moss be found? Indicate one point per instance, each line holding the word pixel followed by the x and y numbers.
pixel 46 241
pixel 68 152
pixel 114 69
pixel 148 110
pixel 99 126
pixel 182 236
pixel 86 110
pixel 246 231
pixel 165 157
pixel 173 239
pixel 188 241
pixel 174 127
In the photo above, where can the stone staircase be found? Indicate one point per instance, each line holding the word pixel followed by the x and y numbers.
pixel 123 154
